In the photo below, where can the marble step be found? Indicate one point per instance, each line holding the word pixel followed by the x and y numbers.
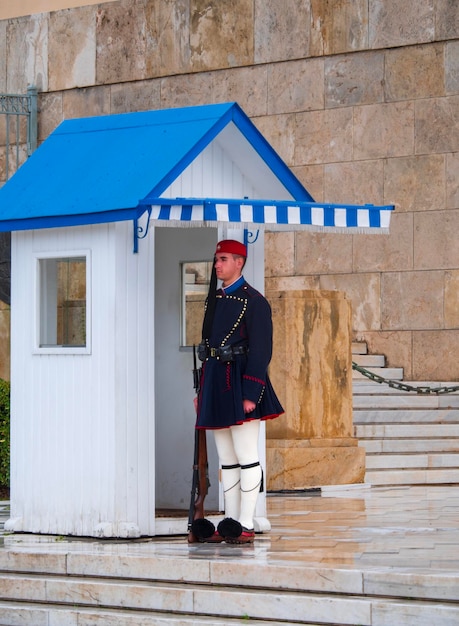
pixel 244 592
pixel 409 446
pixel 359 347
pixel 350 611
pixel 377 612
pixel 390 373
pixel 409 416
pixel 374 363
pixel 406 431
pixel 420 460
pixel 405 401
pixel 368 387
pixel 369 360
pixel 30 614
pixel 412 477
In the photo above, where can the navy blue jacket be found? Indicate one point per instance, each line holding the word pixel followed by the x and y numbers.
pixel 242 318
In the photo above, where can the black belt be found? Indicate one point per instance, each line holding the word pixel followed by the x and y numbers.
pixel 226 350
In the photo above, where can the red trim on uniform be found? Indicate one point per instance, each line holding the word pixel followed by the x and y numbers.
pixel 262 419
pixel 228 376
pixel 249 419
pixel 253 379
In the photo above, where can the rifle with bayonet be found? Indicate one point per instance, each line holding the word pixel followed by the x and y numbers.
pixel 200 482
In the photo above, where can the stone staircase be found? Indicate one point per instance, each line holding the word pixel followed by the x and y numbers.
pixel 131 587
pixel 410 439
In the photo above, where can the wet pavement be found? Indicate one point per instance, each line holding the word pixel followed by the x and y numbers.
pixel 413 528
pixel 379 556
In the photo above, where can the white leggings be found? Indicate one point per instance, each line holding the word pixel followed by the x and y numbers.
pixel 237 449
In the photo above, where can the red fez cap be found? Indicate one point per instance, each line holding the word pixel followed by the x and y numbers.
pixel 232 247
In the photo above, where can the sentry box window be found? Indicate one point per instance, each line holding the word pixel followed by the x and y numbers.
pixel 63 303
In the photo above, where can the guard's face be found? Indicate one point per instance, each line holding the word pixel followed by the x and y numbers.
pixel 227 267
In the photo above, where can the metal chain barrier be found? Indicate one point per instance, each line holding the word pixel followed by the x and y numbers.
pixel 395 384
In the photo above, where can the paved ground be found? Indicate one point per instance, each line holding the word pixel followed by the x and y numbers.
pixel 412 529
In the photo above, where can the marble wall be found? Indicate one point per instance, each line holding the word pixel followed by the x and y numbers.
pixel 311 371
pixel 359 97
pixel 29 7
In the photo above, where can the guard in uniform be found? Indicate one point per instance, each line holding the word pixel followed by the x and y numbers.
pixel 236 392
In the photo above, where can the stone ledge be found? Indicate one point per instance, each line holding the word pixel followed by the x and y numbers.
pixel 299 467
pixel 341 442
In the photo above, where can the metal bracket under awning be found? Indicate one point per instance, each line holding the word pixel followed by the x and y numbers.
pixel 140 232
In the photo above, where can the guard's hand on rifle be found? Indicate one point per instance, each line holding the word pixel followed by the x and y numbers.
pixel 195 402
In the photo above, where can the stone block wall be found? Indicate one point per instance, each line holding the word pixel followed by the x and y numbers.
pixel 313 443
pixel 359 97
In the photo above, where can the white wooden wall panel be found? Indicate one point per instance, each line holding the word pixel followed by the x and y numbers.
pixel 134 341
pixel 75 417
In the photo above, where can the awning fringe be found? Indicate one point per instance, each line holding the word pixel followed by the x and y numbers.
pixel 346 230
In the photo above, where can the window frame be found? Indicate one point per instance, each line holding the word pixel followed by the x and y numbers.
pixel 61 349
pixel 183 294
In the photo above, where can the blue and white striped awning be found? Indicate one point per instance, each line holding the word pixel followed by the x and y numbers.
pixel 270 214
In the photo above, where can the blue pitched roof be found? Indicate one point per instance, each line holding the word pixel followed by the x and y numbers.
pixel 99 169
